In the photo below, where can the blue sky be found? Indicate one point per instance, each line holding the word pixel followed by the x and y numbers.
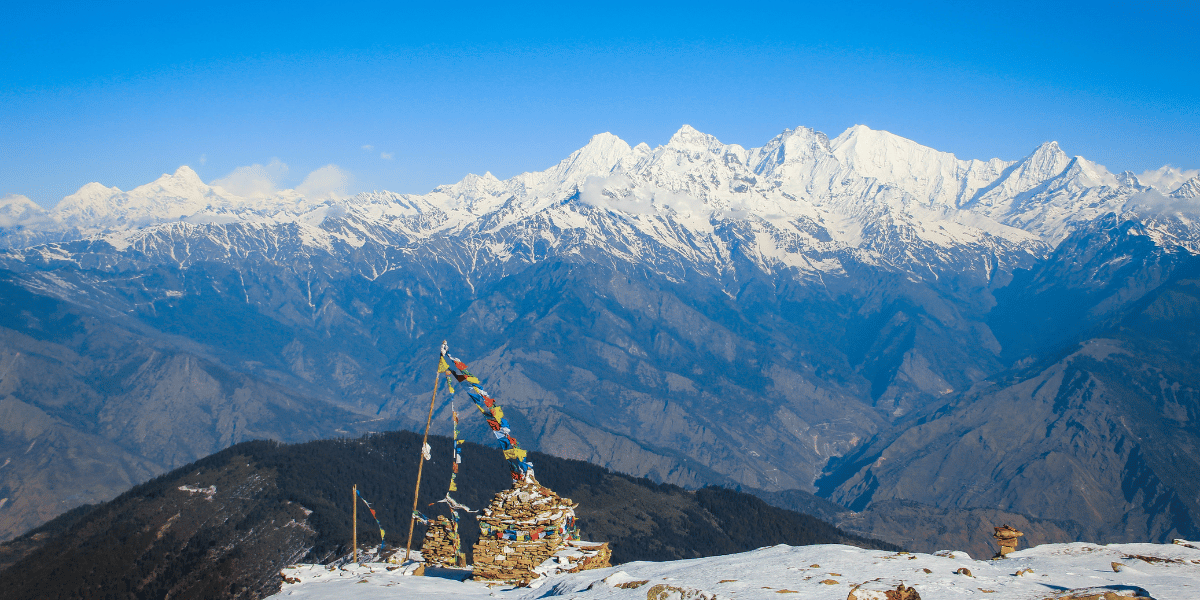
pixel 407 97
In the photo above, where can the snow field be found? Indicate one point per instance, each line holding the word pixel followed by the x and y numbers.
pixel 823 572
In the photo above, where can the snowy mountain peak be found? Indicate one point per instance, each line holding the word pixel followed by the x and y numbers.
pixel 13 203
pixel 1047 160
pixel 600 156
pixel 183 182
pixel 1045 163
pixel 1189 189
pixel 861 141
pixel 90 195
pixel 933 177
pixel 17 210
pixel 1129 179
pixel 1094 174
pixel 603 150
pixel 688 138
pixel 887 156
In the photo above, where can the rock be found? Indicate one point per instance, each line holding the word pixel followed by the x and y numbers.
pixel 964 571
pixel 663 591
pixel 1104 592
pixel 1116 567
pixel 877 590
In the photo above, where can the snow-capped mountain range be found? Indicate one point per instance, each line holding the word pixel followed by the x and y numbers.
pixel 698 313
pixel 801 201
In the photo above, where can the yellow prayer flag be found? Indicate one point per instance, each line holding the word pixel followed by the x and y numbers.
pixel 497 412
pixel 473 379
pixel 516 453
pixel 442 366
pixel 453 486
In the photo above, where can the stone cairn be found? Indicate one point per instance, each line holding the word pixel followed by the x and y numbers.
pixel 529 531
pixel 1006 537
pixel 441 545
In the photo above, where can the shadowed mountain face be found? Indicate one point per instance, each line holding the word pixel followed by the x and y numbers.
pixel 1097 428
pixel 224 526
pixel 93 402
pixel 861 317
pixel 679 381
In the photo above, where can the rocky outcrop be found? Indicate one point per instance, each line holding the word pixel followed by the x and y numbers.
pixel 1107 592
pixel 881 590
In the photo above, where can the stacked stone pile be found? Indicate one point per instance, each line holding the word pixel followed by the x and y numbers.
pixel 441 544
pixel 525 526
pixel 1006 538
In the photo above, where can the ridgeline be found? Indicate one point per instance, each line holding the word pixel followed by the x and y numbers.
pixel 223 526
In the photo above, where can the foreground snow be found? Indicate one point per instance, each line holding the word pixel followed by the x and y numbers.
pixel 1167 572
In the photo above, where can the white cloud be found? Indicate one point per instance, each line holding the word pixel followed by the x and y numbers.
pixel 368 147
pixel 1155 203
pixel 330 181
pixel 617 193
pixel 203 159
pixel 1167 179
pixel 386 155
pixel 255 180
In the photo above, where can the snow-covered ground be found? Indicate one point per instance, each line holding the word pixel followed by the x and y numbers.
pixel 1165 571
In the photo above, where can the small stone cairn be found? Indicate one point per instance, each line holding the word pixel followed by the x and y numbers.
pixel 441 544
pixel 529 531
pixel 1006 537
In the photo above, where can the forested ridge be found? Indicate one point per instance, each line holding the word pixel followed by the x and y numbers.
pixel 223 526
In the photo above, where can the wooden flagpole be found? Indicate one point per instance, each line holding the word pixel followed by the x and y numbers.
pixel 354 521
pixel 420 465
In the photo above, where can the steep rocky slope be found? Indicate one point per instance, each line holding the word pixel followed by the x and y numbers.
pixel 1098 431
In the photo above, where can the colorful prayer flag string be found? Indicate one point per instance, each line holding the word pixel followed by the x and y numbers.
pixel 381 531
pixel 492 412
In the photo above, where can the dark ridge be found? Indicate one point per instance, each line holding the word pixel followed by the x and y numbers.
pixel 800 501
pixel 18 547
pixel 223 526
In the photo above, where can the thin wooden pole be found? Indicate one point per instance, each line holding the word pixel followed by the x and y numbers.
pixel 354 520
pixel 420 465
